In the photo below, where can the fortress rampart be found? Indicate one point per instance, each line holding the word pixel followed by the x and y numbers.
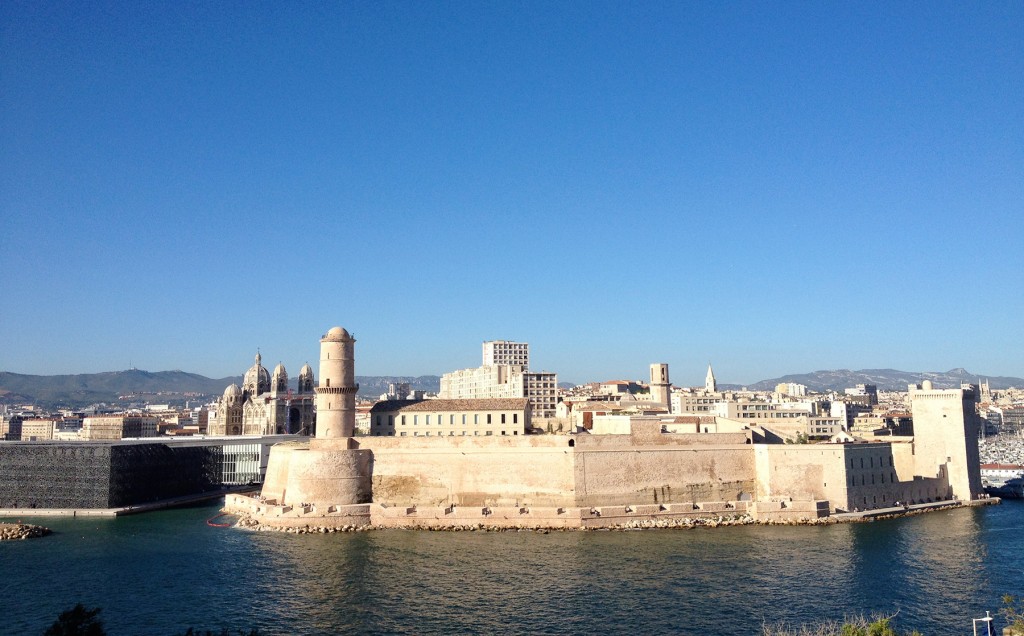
pixel 581 479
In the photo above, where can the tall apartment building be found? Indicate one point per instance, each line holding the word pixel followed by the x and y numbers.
pixel 505 374
pixel 505 353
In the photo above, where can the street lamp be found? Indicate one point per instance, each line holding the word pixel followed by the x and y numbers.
pixel 988 624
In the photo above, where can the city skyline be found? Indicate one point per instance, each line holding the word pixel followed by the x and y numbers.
pixel 772 188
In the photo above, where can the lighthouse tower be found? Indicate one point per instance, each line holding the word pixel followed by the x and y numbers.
pixel 336 394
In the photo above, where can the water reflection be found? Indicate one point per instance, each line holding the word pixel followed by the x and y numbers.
pixel 160 573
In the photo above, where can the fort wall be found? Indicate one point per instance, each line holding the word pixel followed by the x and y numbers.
pixel 472 471
pixel 849 476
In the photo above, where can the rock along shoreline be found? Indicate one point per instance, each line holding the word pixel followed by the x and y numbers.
pixel 19 531
pixel 249 523
pixel 246 522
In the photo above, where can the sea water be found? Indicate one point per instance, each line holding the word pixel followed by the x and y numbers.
pixel 163 572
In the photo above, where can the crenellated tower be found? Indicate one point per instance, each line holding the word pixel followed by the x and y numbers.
pixel 336 394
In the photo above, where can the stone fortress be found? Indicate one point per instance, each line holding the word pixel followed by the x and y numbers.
pixel 645 473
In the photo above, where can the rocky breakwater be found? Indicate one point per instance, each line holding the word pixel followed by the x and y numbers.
pixel 16 531
pixel 249 523
pixel 716 522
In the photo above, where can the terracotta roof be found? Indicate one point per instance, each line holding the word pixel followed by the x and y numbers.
pixel 1002 466
pixel 433 406
pixel 686 419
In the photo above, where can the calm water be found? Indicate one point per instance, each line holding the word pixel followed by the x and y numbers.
pixel 161 573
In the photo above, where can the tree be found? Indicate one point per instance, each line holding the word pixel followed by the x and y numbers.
pixel 77 621
pixel 1013 614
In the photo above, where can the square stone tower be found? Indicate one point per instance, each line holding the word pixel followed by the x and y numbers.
pixel 946 437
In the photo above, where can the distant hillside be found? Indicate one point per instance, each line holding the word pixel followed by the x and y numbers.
pixel 173 387
pixel 89 388
pixel 375 385
pixel 885 379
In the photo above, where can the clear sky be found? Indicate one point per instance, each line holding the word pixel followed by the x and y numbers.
pixel 774 187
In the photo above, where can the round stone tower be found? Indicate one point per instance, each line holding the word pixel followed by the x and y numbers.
pixel 336 394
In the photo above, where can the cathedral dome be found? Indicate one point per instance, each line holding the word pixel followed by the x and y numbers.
pixel 232 391
pixel 306 370
pixel 279 370
pixel 257 380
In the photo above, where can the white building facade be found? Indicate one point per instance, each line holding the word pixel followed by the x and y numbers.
pixel 500 378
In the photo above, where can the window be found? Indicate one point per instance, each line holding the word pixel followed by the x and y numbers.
pixel 403 420
pixel 476 418
pixel 428 420
pixel 488 418
pixel 463 419
pixel 391 420
pixel 415 420
pixel 515 418
pixel 502 419
pixel 489 433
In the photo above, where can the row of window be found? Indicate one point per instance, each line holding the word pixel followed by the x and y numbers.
pixel 439 434
pixel 863 481
pixel 871 462
pixel 378 421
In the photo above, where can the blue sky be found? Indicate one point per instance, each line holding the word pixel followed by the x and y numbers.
pixel 772 187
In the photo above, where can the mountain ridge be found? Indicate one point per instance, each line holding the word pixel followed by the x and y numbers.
pixel 884 379
pixel 175 387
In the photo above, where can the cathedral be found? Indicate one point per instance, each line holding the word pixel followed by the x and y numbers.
pixel 263 405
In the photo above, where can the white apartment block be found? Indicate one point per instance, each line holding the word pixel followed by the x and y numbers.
pixel 498 382
pixel 503 352
pixel 791 389
pixel 504 375
pixel 739 410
